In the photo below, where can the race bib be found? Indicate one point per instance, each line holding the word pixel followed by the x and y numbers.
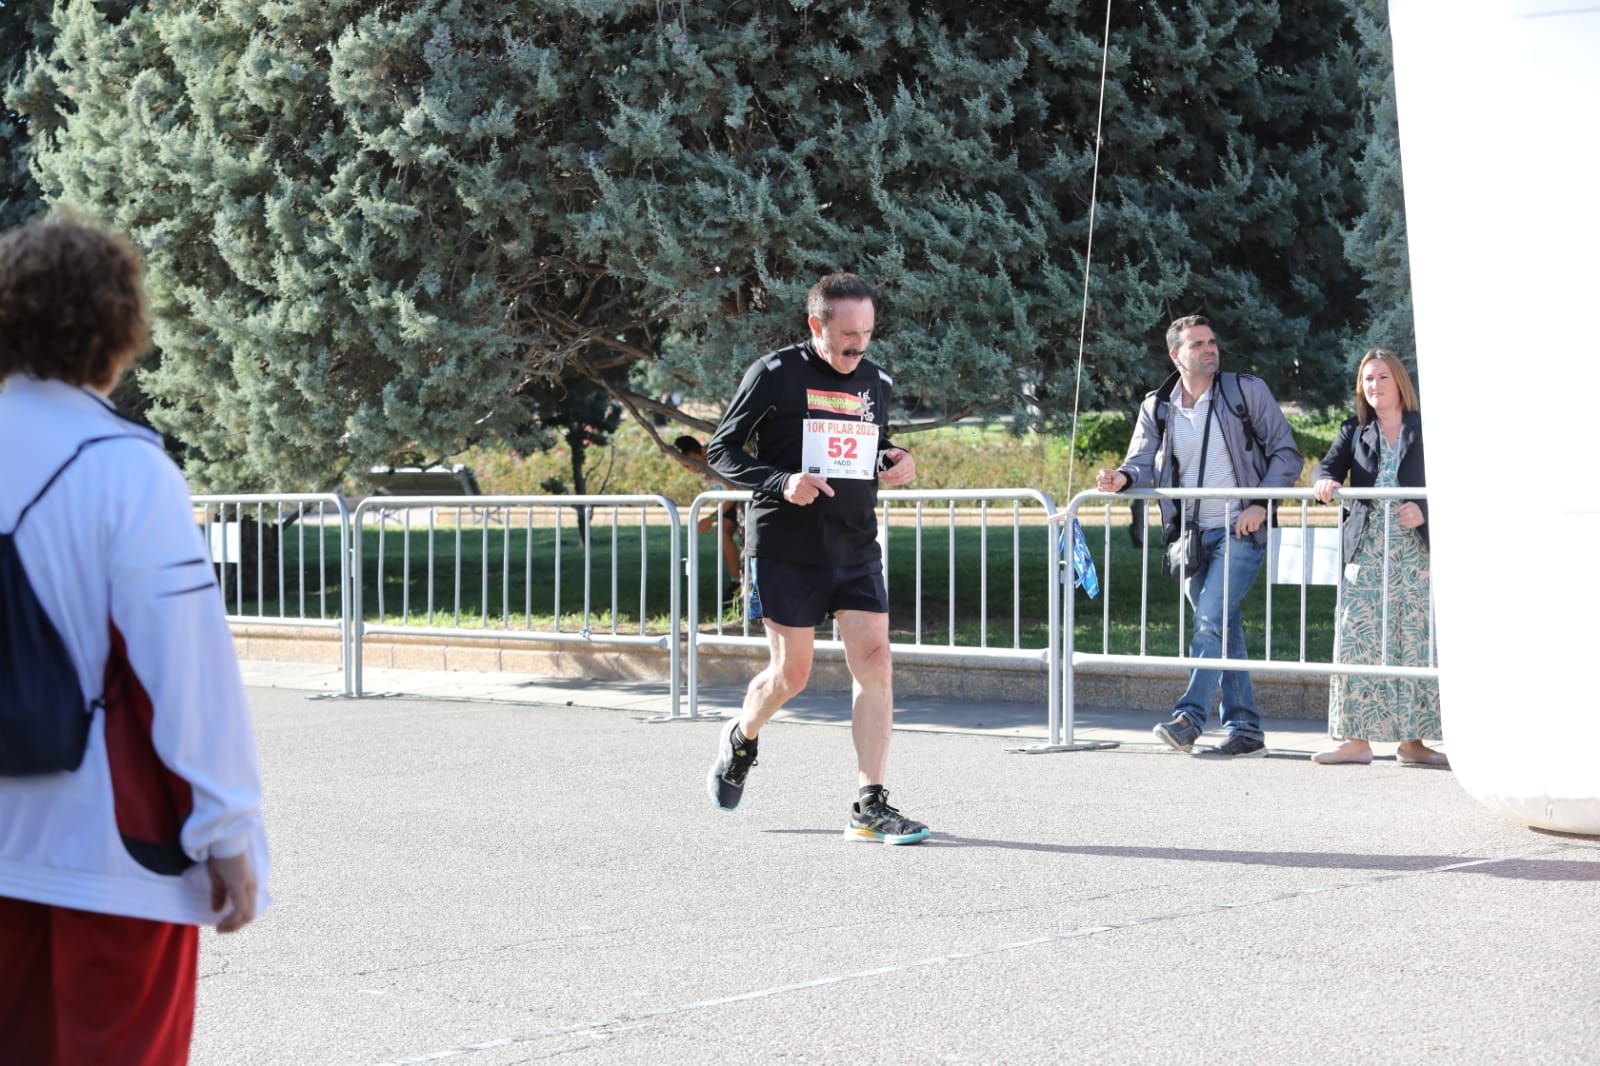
pixel 836 448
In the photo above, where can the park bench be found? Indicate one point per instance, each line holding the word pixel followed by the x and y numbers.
pixel 452 480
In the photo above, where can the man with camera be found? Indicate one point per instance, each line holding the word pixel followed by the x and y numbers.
pixel 1206 429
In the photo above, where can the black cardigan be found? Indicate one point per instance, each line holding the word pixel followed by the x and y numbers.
pixel 1355 453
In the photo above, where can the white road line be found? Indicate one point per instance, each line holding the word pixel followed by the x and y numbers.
pixel 941 960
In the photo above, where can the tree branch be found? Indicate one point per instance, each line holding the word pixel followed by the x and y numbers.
pixel 922 427
pixel 627 399
pixel 634 401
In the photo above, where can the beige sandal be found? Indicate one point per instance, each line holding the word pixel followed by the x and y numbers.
pixel 1344 754
pixel 1432 759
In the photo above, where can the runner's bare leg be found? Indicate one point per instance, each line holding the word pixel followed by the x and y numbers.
pixel 866 653
pixel 783 679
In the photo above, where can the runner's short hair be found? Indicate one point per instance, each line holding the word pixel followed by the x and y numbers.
pixel 1175 331
pixel 819 302
pixel 72 303
pixel 689 445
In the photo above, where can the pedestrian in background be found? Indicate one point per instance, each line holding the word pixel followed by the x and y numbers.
pixel 1385 609
pixel 1204 428
pixel 692 454
pixel 130 802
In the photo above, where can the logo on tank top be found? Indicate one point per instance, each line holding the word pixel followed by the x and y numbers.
pixel 841 403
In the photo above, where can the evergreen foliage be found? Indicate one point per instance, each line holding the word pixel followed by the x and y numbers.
pixel 22 22
pixel 379 228
pixel 1376 244
pixel 583 415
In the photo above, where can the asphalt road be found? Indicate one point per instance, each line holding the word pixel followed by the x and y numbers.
pixel 488 883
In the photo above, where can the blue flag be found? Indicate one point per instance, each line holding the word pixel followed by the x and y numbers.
pixel 1083 571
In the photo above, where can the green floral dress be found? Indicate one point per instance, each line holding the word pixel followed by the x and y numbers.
pixel 1385 708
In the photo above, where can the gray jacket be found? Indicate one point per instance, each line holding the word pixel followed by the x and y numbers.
pixel 1276 463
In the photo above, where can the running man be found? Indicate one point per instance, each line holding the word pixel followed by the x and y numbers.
pixel 818 414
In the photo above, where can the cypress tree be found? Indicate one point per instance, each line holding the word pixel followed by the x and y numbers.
pixel 21 23
pixel 378 228
pixel 1376 243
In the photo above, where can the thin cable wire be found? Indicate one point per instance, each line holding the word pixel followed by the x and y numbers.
pixel 1088 252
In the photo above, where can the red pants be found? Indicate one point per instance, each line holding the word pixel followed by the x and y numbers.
pixel 77 987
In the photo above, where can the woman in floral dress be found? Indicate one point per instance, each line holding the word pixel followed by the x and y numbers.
pixel 1382 448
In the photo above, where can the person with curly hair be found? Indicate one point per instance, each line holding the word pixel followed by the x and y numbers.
pixel 130 800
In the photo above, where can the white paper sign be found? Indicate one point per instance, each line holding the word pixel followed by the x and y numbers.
pixel 1312 553
pixel 834 447
pixel 223 540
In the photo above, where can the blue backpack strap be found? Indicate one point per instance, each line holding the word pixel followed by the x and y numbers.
pixel 62 469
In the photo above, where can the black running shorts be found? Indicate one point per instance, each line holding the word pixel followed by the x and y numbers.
pixel 796 595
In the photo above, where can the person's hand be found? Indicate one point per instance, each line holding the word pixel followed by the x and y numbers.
pixel 1409 515
pixel 1111 481
pixel 233 881
pixel 803 489
pixel 1324 489
pixel 1250 520
pixel 901 470
pixel 704 525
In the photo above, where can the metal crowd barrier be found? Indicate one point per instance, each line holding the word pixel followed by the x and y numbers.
pixel 1061 719
pixel 978 506
pixel 249 537
pixel 453 528
pixel 302 560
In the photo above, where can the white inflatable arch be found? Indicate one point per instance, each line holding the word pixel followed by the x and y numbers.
pixel 1502 190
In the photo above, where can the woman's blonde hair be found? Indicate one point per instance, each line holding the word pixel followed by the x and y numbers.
pixel 1402 380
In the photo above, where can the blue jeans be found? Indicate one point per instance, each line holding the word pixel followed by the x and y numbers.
pixel 1241 564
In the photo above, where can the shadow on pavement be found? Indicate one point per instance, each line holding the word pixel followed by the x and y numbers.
pixel 1517 869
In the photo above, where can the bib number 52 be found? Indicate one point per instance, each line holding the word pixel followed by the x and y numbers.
pixel 841 447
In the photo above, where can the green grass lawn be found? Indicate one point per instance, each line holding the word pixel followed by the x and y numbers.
pixel 507 579
pixel 1123 592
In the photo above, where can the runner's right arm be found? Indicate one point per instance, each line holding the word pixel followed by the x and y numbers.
pixel 757 397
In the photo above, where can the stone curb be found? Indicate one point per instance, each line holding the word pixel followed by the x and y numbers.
pixel 974 677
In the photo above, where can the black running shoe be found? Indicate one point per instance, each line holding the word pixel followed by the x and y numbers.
pixel 879 821
pixel 1236 747
pixel 725 782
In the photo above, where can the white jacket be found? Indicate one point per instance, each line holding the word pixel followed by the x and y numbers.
pixel 118 563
